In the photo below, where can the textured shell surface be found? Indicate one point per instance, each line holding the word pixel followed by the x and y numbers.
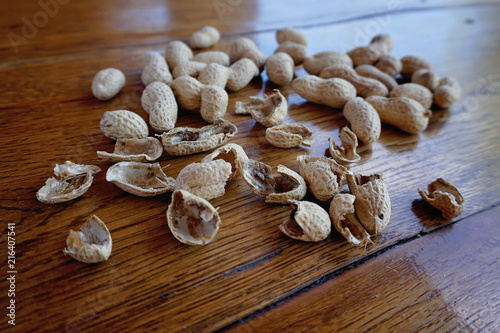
pixel 268 111
pixel 107 83
pixel 123 124
pixel 444 196
pixel 213 57
pixel 342 214
pixel 155 69
pixel 346 153
pixel 319 61
pixel 330 92
pixel 289 135
pixel 308 222
pixel 241 73
pixel 289 186
pixel 364 119
pixel 159 101
pixel 177 52
pixel 134 150
pixel 207 179
pixel 231 153
pixel 414 91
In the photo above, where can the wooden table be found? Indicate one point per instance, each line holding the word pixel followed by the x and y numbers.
pixel 422 273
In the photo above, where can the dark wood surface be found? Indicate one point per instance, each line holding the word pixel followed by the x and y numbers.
pixel 251 272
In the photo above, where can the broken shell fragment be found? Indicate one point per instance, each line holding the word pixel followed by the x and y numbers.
pixel 191 219
pixel 323 175
pixel 347 153
pixel 231 153
pixel 206 180
pixel 269 111
pixel 70 182
pixel 444 196
pixel 134 150
pixel 373 204
pixel 308 222
pixel 141 179
pixel 188 140
pixel 344 219
pixel 289 136
pixel 92 244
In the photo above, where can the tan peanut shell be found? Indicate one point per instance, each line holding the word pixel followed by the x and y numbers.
pixel 316 63
pixel 206 180
pixel 373 72
pixel 70 181
pixel 389 64
pixel 92 244
pixel 155 69
pixel 364 86
pixel 159 101
pixel 426 78
pixel 191 219
pixel 382 43
pixel 373 204
pixel 123 124
pixel 289 34
pixel 298 52
pixel 188 68
pixel 411 64
pixel 343 216
pixel 364 55
pixel 205 37
pixel 307 222
pixel 241 73
pixel 324 176
pixel 447 93
pixel 177 52
pixel 268 111
pixel 141 179
pixel 414 91
pixel 444 196
pixel 231 153
pixel 244 47
pixel 347 152
pixel 134 150
pixel 280 68
pixel 402 112
pixel 187 91
pixel 330 92
pixel 214 101
pixel 189 140
pixel 364 119
pixel 289 136
pixel 216 74
pixel 107 83
pixel 217 57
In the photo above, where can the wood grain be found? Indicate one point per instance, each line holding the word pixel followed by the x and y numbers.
pixel 151 281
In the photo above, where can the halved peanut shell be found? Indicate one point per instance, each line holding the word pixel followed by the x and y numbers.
pixel 289 136
pixel 134 150
pixel 307 222
pixel 230 152
pixel 344 219
pixel 92 244
pixel 347 153
pixel 191 219
pixel 444 196
pixel 188 140
pixel 141 179
pixel 207 180
pixel 269 111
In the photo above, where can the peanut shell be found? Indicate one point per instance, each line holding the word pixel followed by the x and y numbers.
pixel 123 124
pixel 231 153
pixel 342 214
pixel 107 83
pixel 134 150
pixel 307 222
pixel 364 120
pixel 206 180
pixel 268 111
pixel 155 69
pixel 347 153
pixel 289 135
pixel 444 196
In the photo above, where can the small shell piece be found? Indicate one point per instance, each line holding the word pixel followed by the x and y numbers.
pixel 134 150
pixel 155 69
pixel 289 135
pixel 205 37
pixel 373 204
pixel 107 83
pixel 141 179
pixel 231 153
pixel 92 244
pixel 70 182
pixel 323 175
pixel 206 180
pixel 444 196
pixel 288 185
pixel 269 111
pixel 182 141
pixel 342 214
pixel 308 222
pixel 347 153
pixel 123 124
pixel 191 219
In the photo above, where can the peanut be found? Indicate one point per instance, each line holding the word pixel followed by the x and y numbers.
pixel 308 222
pixel 205 37
pixel 231 153
pixel 315 64
pixel 242 72
pixel 291 35
pixel 364 55
pixel 448 92
pixel 155 69
pixel 411 64
pixel 444 196
pixel 218 57
pixel 330 92
pixel 364 86
pixel 373 72
pixel 382 43
pixel 177 52
pixel 159 101
pixel 245 48
pixel 347 153
pixel 188 68
pixel 364 119
pixel 123 124
pixel 289 136
pixel 206 180
pixel 402 112
pixel 298 52
pixel 216 74
pixel 107 83
pixel 414 91
pixel 390 65
pixel 280 67
pixel 268 111
pixel 426 78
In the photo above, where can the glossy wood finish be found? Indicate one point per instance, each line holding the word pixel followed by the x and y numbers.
pixel 151 281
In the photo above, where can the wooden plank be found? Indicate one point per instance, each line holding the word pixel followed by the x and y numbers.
pixel 446 281
pixel 151 281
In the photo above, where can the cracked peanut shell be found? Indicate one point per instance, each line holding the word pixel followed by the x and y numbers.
pixel 347 152
pixel 307 222
pixel 231 153
pixel 207 179
pixel 134 150
pixel 289 135
pixel 444 196
pixel 268 111
pixel 343 216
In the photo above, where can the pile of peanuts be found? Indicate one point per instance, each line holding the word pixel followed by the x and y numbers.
pixel 364 83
